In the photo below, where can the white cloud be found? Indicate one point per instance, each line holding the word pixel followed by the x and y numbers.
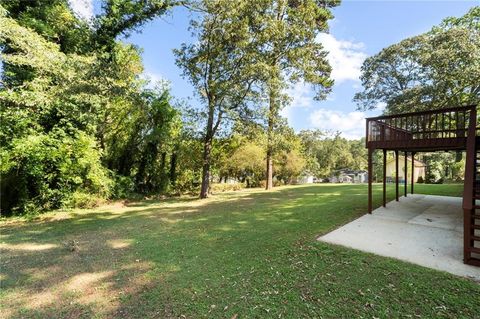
pixel 152 76
pixel 352 124
pixel 301 96
pixel 155 80
pixel 381 106
pixel 345 57
pixel 82 8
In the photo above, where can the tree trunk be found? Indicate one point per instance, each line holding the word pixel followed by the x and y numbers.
pixel 269 182
pixel 162 162
pixel 271 119
pixel 207 148
pixel 173 168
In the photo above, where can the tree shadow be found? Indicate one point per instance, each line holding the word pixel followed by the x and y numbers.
pixel 170 257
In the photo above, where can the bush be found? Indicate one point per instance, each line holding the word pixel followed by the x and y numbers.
pixel 45 170
pixel 276 182
pixel 224 187
pixel 80 199
pixel 187 181
pixel 123 186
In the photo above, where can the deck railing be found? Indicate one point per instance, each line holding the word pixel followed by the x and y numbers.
pixel 441 123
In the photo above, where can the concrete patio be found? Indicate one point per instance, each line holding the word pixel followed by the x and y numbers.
pixel 422 229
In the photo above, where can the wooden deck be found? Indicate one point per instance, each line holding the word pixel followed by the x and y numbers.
pixel 448 129
pixel 437 130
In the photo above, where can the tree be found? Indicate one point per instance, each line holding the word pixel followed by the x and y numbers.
pixel 139 138
pixel 359 154
pixel 440 68
pixel 76 119
pixel 119 17
pixel 290 53
pixel 325 153
pixel 290 165
pixel 246 163
pixel 47 151
pixel 220 67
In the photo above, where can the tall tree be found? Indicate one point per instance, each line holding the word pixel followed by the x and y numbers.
pixel 220 66
pixel 120 17
pixel 440 68
pixel 290 53
pixel 70 108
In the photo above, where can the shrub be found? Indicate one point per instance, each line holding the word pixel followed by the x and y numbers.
pixel 225 187
pixel 123 186
pixel 188 181
pixel 81 199
pixel 276 182
pixel 45 170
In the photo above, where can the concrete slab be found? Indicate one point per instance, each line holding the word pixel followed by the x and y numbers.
pixel 422 229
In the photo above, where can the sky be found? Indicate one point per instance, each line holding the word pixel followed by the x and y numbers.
pixel 359 29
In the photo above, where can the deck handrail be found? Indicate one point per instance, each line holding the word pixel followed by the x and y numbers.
pixel 419 113
pixel 425 125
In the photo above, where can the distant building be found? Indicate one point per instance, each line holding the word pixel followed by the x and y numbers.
pixel 349 176
pixel 307 179
pixel 419 170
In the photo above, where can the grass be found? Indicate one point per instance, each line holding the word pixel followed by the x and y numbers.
pixel 248 254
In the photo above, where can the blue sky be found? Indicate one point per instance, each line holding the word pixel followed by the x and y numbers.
pixel 360 29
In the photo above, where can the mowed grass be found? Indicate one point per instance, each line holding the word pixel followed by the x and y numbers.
pixel 248 254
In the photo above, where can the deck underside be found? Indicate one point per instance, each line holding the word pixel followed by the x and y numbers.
pixel 420 145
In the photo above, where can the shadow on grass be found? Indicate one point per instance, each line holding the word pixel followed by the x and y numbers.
pixel 250 253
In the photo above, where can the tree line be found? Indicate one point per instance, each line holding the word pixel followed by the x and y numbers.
pixel 79 122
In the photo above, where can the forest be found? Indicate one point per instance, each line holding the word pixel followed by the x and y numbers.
pixel 81 125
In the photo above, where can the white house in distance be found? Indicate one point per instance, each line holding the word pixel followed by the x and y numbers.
pixel 305 179
pixel 349 176
pixel 419 170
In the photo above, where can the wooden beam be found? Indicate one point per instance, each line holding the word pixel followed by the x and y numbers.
pixel 405 174
pixel 413 173
pixel 396 175
pixel 370 179
pixel 384 178
pixel 469 188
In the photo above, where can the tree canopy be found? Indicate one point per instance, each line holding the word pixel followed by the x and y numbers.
pixel 437 69
pixel 81 125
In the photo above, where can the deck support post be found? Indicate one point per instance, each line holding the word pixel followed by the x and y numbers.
pixel 413 173
pixel 384 178
pixel 405 173
pixel 396 175
pixel 370 179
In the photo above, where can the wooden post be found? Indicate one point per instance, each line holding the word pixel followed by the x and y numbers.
pixel 405 173
pixel 469 187
pixel 384 178
pixel 370 179
pixel 396 175
pixel 413 173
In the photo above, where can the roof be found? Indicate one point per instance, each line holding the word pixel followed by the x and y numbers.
pixel 350 171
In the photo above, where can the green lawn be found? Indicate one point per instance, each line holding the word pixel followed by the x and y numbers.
pixel 249 254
